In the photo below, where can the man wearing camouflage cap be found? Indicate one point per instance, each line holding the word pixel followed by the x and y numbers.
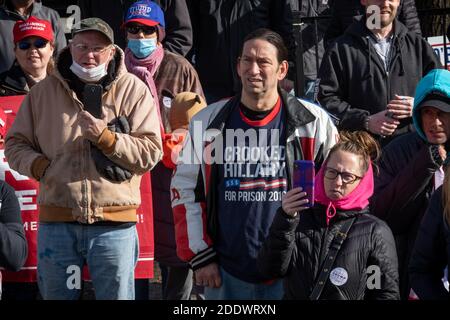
pixel 88 163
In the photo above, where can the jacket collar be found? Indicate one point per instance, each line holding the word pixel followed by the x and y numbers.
pixel 15 79
pixel 63 73
pixel 359 29
pixel 9 9
pixel 296 113
pixel 319 214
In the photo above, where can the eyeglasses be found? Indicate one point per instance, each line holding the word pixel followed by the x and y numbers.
pixel 82 48
pixel 147 30
pixel 346 177
pixel 38 44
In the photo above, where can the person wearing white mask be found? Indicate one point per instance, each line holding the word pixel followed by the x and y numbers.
pixel 89 168
pixel 166 75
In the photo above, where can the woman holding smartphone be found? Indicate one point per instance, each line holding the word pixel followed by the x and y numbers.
pixel 335 250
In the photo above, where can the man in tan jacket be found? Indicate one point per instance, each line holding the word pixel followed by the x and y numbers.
pixel 89 168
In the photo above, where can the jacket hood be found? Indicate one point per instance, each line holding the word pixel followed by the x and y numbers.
pixel 358 28
pixel 436 81
pixel 116 68
pixel 362 34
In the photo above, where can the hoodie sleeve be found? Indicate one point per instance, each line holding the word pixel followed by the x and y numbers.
pixel 430 60
pixel 395 189
pixel 274 258
pixel 334 79
pixel 13 244
pixel 428 260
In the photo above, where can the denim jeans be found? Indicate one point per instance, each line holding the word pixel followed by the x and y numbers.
pixel 110 252
pixel 235 289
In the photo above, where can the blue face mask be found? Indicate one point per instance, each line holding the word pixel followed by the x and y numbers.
pixel 142 48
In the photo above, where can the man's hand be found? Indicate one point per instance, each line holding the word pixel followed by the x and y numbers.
pixel 91 127
pixel 401 107
pixel 382 125
pixel 208 276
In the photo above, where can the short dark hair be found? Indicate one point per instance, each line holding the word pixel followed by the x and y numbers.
pixel 270 36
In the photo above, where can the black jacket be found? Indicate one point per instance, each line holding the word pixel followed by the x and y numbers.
pixel 163 224
pixel 353 80
pixel 296 248
pixel 13 82
pixel 178 24
pixel 344 12
pixel 219 28
pixel 312 8
pixel 431 253
pixel 13 244
pixel 403 189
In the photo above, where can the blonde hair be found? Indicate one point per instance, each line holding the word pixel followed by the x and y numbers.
pixel 359 143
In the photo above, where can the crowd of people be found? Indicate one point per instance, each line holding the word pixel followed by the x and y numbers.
pixel 168 131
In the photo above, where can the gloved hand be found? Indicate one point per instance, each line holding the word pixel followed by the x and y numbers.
pixel 105 167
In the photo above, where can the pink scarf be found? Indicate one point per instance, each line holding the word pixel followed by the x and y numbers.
pixel 145 69
pixel 358 199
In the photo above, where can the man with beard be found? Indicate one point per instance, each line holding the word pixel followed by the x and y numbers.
pixel 14 10
pixel 369 74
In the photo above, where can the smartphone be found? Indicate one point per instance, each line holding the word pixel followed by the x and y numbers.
pixel 92 99
pixel 303 176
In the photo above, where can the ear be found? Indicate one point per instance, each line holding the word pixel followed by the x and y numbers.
pixel 283 70
pixel 52 46
pixel 112 53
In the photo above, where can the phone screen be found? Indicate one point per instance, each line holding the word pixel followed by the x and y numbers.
pixel 92 99
pixel 303 176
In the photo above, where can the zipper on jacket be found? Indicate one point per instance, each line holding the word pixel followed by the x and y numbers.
pixel 84 196
pixel 13 89
pixel 392 59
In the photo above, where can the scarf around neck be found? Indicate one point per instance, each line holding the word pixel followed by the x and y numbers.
pixel 145 69
pixel 356 200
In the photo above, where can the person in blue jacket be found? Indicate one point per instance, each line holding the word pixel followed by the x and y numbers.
pixel 431 253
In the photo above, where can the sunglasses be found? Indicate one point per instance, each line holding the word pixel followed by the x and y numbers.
pixel 145 30
pixel 38 43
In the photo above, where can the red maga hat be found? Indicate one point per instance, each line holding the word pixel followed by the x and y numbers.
pixel 32 27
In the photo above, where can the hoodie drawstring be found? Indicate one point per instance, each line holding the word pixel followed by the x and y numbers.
pixel 331 212
pixel 369 75
pixel 402 68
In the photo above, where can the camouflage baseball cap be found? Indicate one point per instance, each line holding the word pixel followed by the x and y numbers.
pixel 94 24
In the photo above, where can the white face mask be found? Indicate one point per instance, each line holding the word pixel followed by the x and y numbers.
pixel 89 75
